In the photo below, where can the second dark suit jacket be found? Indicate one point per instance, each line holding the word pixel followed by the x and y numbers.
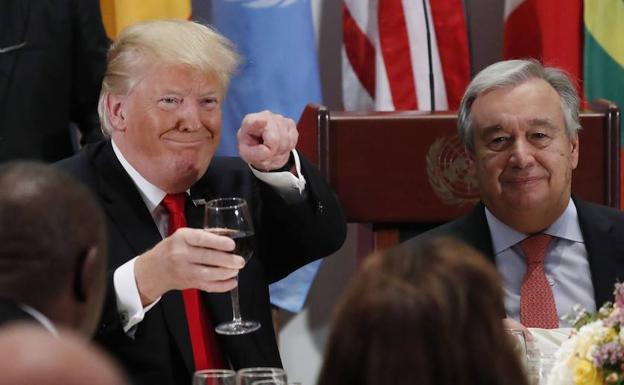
pixel 287 236
pixel 11 312
pixel 603 233
pixel 52 59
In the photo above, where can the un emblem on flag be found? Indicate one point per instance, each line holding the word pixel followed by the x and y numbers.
pixel 449 172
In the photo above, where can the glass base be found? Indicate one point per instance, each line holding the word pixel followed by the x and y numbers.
pixel 233 328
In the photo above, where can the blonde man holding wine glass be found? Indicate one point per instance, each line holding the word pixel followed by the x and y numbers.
pixel 161 107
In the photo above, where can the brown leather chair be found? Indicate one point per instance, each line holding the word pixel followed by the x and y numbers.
pixel 400 170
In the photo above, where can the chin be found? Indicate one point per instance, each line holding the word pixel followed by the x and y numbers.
pixel 186 178
pixel 528 202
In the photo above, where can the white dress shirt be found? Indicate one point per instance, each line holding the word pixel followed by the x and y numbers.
pixel 129 306
pixel 566 265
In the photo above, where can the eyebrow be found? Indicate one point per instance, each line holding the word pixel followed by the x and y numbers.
pixel 490 130
pixel 541 122
pixel 535 122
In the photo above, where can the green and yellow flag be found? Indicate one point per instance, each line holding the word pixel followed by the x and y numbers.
pixel 604 58
pixel 118 14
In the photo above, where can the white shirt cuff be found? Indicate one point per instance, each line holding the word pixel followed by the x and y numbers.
pixel 129 306
pixel 286 183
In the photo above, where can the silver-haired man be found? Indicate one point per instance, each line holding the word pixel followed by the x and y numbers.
pixel 519 121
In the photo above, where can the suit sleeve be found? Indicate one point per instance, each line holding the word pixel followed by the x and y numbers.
pixel 292 235
pixel 88 65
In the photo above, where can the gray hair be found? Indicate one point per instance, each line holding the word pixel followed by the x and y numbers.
pixel 172 42
pixel 511 73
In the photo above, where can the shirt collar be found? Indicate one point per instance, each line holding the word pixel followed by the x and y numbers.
pixel 152 195
pixel 566 227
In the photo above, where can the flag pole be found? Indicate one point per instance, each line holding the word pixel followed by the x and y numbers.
pixel 429 58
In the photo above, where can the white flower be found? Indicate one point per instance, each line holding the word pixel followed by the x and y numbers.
pixel 580 346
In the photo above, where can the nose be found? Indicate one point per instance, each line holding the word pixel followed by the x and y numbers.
pixel 521 154
pixel 189 116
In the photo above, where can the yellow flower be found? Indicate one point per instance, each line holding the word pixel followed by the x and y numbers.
pixel 586 374
pixel 610 335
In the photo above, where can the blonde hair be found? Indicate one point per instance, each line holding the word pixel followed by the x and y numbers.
pixel 169 42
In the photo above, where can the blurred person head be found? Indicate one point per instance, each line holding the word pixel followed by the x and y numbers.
pixel 428 316
pixel 161 98
pixel 53 254
pixel 519 121
pixel 30 355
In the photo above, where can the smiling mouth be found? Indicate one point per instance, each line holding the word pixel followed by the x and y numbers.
pixel 187 141
pixel 521 182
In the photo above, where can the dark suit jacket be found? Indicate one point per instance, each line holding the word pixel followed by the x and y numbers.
pixel 287 237
pixel 52 59
pixel 11 312
pixel 603 233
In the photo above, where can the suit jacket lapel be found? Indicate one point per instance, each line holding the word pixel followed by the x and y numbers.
pixel 605 250
pixel 124 204
pixel 474 230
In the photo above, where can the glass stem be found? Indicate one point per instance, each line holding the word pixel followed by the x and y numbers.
pixel 236 316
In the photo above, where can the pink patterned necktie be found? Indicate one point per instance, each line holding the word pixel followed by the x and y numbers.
pixel 537 302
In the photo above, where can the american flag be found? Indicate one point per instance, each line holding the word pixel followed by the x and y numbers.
pixel 395 50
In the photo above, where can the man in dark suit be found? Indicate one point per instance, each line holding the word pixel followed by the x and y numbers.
pixel 161 104
pixel 52 59
pixel 53 254
pixel 519 121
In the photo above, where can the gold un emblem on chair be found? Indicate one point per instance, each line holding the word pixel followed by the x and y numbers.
pixel 449 170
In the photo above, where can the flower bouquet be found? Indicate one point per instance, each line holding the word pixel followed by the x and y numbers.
pixel 594 355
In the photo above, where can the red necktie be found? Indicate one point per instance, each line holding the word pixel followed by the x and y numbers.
pixel 206 354
pixel 537 303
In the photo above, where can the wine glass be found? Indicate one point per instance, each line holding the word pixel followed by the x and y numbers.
pixel 231 217
pixel 519 344
pixel 214 377
pixel 539 367
pixel 262 376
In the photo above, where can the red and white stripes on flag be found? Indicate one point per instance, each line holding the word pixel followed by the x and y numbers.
pixel 386 60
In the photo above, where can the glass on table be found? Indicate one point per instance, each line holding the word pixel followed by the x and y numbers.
pixel 214 377
pixel 231 217
pixel 262 376
pixel 519 344
pixel 539 366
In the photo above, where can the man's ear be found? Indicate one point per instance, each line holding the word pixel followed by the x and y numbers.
pixel 574 150
pixel 115 106
pixel 88 272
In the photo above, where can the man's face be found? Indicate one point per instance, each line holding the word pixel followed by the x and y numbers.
pixel 168 126
pixel 523 156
